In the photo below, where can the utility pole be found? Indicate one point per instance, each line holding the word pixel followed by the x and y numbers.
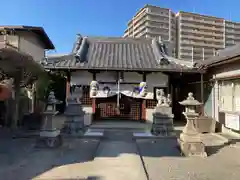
pixel 192 56
pixel 203 54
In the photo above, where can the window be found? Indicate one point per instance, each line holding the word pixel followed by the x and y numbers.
pixel 229 95
pixel 236 95
pixel 226 96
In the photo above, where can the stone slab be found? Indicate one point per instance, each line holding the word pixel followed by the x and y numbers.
pixel 118 160
pixel 193 149
pixel 164 110
pixel 93 133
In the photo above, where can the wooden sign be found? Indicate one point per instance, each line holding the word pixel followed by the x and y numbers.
pixel 232 121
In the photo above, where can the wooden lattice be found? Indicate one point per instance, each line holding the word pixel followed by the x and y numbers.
pixel 106 108
pixel 151 103
pixel 86 100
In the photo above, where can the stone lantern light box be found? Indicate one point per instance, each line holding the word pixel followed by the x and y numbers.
pixel 190 104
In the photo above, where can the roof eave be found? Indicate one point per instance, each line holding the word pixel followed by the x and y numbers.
pixel 223 61
pixel 126 69
pixel 38 30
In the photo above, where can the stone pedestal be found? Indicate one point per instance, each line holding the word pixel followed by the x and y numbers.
pixel 74 124
pixel 163 121
pixel 190 141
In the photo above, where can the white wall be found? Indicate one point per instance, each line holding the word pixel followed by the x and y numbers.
pixel 106 76
pixel 81 78
pixel 30 44
pixel 157 80
pixel 133 77
pixel 153 79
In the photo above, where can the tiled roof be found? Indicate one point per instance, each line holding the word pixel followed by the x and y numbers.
pixel 104 53
pixel 222 55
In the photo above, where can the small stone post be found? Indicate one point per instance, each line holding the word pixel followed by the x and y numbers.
pixel 190 141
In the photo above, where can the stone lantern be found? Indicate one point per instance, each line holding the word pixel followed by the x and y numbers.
pixel 190 140
pixel 74 112
pixel 50 132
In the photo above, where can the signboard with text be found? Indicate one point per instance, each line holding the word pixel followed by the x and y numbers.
pixel 232 121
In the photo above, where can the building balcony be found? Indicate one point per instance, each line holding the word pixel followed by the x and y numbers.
pixel 202 21
pixel 139 14
pixel 189 45
pixel 158 14
pixel 201 26
pixel 188 49
pixel 157 28
pixel 230 37
pixel 229 25
pixel 158 19
pixel 139 32
pixel 212 34
pixel 191 37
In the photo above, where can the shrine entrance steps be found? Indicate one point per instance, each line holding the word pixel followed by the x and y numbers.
pixel 118 124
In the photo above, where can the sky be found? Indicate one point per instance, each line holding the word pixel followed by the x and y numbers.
pixel 63 19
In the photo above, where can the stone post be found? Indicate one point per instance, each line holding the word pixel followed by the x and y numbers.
pixel 190 140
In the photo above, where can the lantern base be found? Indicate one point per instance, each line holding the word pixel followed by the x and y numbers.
pixel 49 134
pixel 49 142
pixel 190 149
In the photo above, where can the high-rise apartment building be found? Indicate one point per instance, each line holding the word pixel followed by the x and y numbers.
pixel 151 21
pixel 190 36
pixel 199 36
pixel 232 33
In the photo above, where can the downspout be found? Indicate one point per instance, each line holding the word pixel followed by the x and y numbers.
pixel 202 93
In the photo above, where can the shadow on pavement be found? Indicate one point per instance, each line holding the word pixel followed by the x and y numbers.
pixel 20 160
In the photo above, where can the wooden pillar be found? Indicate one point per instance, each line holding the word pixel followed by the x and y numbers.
pixel 33 102
pixel 143 108
pixel 143 115
pixel 144 77
pixel 202 94
pixel 68 84
pixel 93 108
pixel 17 80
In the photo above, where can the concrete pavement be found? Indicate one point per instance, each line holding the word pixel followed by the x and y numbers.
pixel 116 155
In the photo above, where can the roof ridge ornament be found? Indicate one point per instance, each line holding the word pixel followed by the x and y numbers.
pixel 79 55
pixel 77 44
pixel 161 58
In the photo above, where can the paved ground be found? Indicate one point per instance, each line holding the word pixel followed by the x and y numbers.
pixel 116 156
pixel 69 161
pixel 220 165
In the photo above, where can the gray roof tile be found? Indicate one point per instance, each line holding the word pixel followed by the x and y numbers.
pixel 118 54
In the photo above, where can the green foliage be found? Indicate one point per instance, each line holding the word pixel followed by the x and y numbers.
pixel 43 86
